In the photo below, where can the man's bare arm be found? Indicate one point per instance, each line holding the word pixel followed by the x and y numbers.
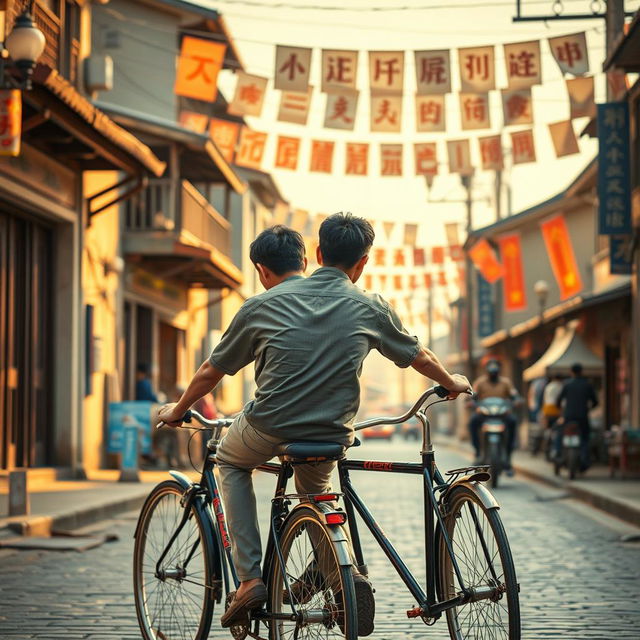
pixel 203 382
pixel 429 366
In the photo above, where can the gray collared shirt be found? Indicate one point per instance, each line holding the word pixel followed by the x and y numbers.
pixel 309 337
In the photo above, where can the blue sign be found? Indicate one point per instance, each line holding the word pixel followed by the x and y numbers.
pixel 614 169
pixel 131 435
pixel 486 318
pixel 620 255
pixel 129 414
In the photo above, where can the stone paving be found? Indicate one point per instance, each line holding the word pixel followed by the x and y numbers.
pixel 578 581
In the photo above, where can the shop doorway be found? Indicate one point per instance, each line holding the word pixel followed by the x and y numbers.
pixel 171 344
pixel 26 312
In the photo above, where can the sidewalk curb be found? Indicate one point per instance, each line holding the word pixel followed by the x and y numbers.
pixel 45 525
pixel 613 506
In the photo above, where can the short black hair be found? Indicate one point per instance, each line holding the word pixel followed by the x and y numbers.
pixel 576 369
pixel 142 368
pixel 344 239
pixel 279 248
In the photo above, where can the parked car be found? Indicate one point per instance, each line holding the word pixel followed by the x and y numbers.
pixel 380 432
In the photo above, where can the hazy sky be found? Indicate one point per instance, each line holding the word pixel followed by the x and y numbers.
pixel 257 26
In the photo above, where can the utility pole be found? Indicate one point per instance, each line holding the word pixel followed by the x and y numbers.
pixel 468 269
pixel 615 26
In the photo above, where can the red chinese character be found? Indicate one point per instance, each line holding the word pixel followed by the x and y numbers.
pixel 357 159
pixel 521 65
pixel 250 93
pixel 338 69
pixel 433 70
pixel 569 52
pixel 491 151
pixel 340 108
pixel 200 69
pixel 379 258
pixel 477 66
pixel 398 258
pixel 517 107
pixel 475 109
pixel 386 67
pixel 523 148
pixel 430 112
pixel 426 160
pixel 287 155
pixel 391 162
pixel 292 65
pixel 321 156
pixel 385 113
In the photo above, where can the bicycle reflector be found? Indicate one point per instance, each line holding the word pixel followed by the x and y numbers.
pixel 335 517
pixel 325 497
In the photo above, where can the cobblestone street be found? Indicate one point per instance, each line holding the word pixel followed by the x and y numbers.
pixel 578 581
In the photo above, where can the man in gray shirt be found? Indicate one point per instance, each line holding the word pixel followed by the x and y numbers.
pixel 308 338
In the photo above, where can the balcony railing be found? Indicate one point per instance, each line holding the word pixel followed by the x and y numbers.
pixel 194 220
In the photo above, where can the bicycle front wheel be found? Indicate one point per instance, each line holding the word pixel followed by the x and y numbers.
pixel 175 599
pixel 483 556
pixel 322 589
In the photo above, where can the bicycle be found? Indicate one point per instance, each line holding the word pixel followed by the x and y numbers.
pixel 470 576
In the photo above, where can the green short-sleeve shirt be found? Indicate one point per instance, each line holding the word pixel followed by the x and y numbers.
pixel 309 338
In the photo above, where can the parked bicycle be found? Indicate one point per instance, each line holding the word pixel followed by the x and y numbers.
pixel 183 565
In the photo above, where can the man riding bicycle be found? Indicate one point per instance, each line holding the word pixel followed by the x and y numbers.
pixel 308 338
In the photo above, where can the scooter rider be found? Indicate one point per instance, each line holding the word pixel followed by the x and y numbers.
pixel 493 385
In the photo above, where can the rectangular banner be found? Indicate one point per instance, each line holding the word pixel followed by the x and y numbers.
pixel 398 257
pixel 459 154
pixel 419 258
pixel 433 72
pixel 581 97
pixel 122 415
pixel 485 261
pixel 486 316
pixel 474 111
pixel 452 231
pixel 437 255
pixel 224 134
pixel 564 138
pixel 294 107
pixel 426 158
pixel 522 60
pixel 517 107
pixel 251 149
pixel 379 257
pixel 614 161
pixel 386 71
pixel 620 260
pixel 287 152
pixel 339 70
pixel 560 251
pixel 357 160
pixel 199 63
pixel 430 114
pixel 523 147
pixel 513 284
pixel 340 112
pixel 321 156
pixel 249 95
pixel 390 159
pixel 477 69
pixel 193 121
pixel 491 153
pixel 410 233
pixel 386 113
pixel 293 65
pixel 570 52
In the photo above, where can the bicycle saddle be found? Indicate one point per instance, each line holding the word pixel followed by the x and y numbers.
pixel 313 451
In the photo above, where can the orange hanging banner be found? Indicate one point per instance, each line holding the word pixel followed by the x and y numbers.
pixel 515 297
pixel 10 122
pixel 198 66
pixel 484 258
pixel 560 252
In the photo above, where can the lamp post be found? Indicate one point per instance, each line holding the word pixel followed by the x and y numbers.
pixel 541 289
pixel 24 46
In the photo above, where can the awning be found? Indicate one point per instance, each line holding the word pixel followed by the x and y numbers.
pixel 625 53
pixel 566 349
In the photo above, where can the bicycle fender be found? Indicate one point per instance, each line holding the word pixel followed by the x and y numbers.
pixel 337 533
pixel 181 479
pixel 484 495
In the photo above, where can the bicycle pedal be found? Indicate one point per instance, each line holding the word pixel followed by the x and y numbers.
pixel 416 612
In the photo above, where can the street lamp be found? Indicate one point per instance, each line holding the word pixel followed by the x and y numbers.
pixel 541 289
pixel 24 45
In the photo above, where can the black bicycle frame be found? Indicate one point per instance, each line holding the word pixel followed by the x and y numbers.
pixel 428 603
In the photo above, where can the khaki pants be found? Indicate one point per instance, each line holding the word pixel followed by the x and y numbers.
pixel 239 453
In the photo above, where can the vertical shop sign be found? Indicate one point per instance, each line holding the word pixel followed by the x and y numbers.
pixel 486 317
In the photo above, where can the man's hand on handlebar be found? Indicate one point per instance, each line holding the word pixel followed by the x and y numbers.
pixel 461 385
pixel 170 416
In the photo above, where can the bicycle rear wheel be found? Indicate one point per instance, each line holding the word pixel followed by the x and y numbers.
pixel 321 588
pixel 484 558
pixel 176 602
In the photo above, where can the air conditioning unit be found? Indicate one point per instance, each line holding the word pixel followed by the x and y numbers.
pixel 98 73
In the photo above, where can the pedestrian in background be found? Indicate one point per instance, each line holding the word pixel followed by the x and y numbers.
pixel 144 390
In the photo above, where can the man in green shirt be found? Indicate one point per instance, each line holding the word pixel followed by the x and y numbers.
pixel 308 338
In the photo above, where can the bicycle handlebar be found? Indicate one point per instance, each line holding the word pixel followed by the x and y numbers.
pixel 438 390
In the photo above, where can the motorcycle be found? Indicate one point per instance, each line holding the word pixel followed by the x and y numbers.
pixel 569 454
pixel 493 435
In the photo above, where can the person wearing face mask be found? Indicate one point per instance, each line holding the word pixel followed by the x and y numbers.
pixel 493 385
